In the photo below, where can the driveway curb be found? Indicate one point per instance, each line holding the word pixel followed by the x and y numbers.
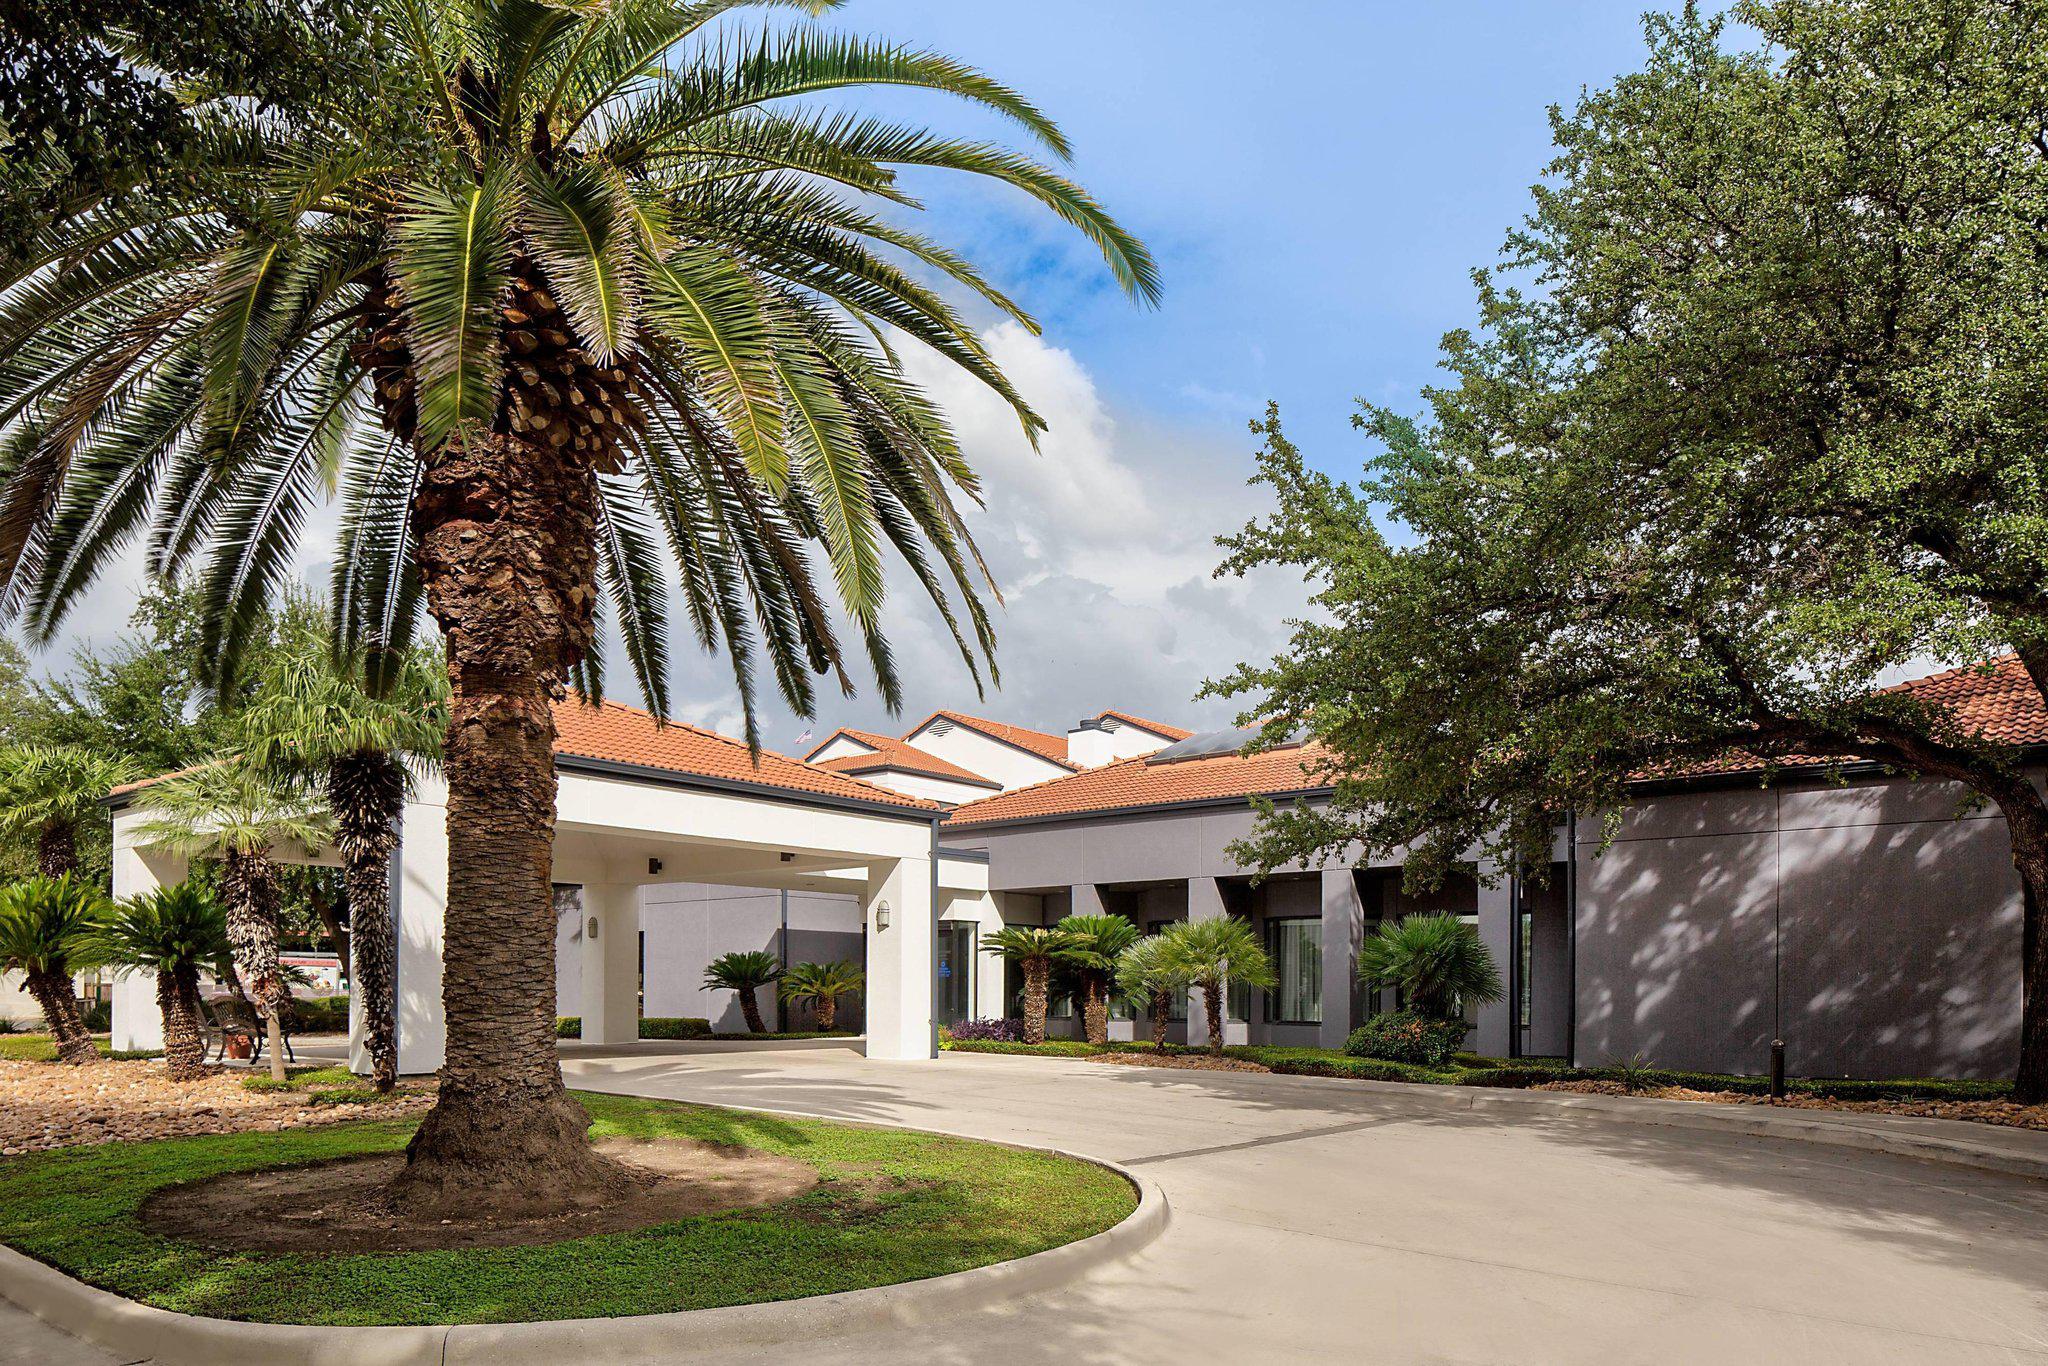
pixel 137 1331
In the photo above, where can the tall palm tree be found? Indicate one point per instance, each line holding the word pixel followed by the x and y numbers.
pixel 1101 938
pixel 575 305
pixel 174 932
pixel 46 933
pixel 48 791
pixel 821 985
pixel 1212 954
pixel 1436 962
pixel 327 716
pixel 744 972
pixel 241 814
pixel 1035 950
pixel 1147 973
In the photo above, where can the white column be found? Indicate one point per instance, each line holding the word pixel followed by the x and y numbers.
pixel 422 902
pixel 1343 924
pixel 611 963
pixel 138 1022
pixel 899 1000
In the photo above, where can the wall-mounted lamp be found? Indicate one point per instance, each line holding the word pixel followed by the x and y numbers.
pixel 881 915
pixel 653 866
pixel 591 929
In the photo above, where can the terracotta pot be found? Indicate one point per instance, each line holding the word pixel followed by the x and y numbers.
pixel 239 1046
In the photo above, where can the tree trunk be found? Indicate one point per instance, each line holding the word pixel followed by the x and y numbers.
pixel 828 1012
pixel 57 849
pixel 1212 1006
pixel 751 1009
pixel 1162 1009
pixel 330 923
pixel 1037 975
pixel 184 1041
pixel 366 793
pixel 2030 857
pixel 506 553
pixel 1095 1009
pixel 248 886
pixel 64 1016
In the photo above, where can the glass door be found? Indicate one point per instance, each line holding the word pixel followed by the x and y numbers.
pixel 956 971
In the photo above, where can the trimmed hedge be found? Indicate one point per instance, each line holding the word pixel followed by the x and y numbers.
pixel 651 1027
pixel 1403 1036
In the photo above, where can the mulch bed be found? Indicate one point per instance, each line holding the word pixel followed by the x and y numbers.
pixel 46 1105
pixel 1976 1111
pixel 1188 1062
pixel 344 1206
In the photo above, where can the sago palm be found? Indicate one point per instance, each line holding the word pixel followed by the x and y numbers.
pixel 1101 938
pixel 1436 962
pixel 1035 950
pixel 241 815
pixel 46 934
pixel 48 791
pixel 174 933
pixel 1210 955
pixel 744 972
pixel 820 985
pixel 327 716
pixel 1147 973
pixel 576 306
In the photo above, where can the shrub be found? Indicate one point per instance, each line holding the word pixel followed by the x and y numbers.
pixel 99 1016
pixel 987 1031
pixel 321 1015
pixel 568 1026
pixel 1406 1037
pixel 1507 1074
pixel 672 1027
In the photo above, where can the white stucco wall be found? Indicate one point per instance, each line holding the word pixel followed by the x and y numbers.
pixel 993 759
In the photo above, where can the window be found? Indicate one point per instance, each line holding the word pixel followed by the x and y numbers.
pixel 1296 945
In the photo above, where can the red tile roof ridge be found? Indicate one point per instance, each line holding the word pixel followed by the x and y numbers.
pixel 1171 732
pixel 1005 731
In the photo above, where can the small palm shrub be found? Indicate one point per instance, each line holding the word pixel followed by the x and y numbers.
pixel 987 1031
pixel 1407 1036
pixel 820 985
pixel 744 972
pixel 48 928
pixel 1035 950
pixel 173 933
pixel 1635 1072
pixel 1147 973
pixel 1436 962
pixel 1209 955
pixel 1100 939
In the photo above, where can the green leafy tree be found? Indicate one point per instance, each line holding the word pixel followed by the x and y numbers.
pixel 331 720
pixel 744 972
pixel 618 316
pixel 47 792
pixel 1755 416
pixel 1100 938
pixel 1147 973
pixel 1036 950
pixel 1437 962
pixel 46 933
pixel 1210 955
pixel 239 815
pixel 173 933
pixel 820 986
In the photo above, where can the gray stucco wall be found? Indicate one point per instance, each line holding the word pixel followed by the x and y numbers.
pixel 1867 925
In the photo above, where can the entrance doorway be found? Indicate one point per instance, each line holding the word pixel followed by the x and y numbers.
pixel 955 993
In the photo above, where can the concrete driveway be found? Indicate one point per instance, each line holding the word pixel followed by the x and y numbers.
pixel 1319 1221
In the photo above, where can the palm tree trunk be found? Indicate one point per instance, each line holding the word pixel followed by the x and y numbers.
pixel 1037 976
pixel 184 1044
pixel 507 555
pixel 248 886
pixel 1095 1008
pixel 1212 1006
pixel 1162 1009
pixel 828 1012
pixel 57 849
pixel 751 1009
pixel 366 793
pixel 64 1016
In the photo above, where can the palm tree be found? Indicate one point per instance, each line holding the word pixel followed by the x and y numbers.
pixel 240 814
pixel 46 933
pixel 328 717
pixel 822 984
pixel 575 306
pixel 1436 962
pixel 1210 954
pixel 1101 938
pixel 48 791
pixel 1034 949
pixel 744 972
pixel 1147 973
pixel 174 932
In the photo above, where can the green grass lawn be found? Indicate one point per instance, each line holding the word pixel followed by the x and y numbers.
pixel 927 1205
pixel 42 1048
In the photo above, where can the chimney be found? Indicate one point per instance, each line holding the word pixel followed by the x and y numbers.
pixel 1090 743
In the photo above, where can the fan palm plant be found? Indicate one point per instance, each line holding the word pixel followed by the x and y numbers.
pixel 1436 962
pixel 326 716
pixel 1035 950
pixel 175 932
pixel 820 985
pixel 1210 955
pixel 46 933
pixel 48 791
pixel 1147 973
pixel 744 972
pixel 576 305
pixel 240 814
pixel 1101 938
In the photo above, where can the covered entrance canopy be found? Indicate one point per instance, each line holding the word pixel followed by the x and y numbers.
pixel 640 803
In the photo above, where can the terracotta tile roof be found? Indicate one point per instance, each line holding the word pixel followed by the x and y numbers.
pixel 1133 782
pixel 614 732
pixel 889 752
pixel 1053 747
pixel 1156 727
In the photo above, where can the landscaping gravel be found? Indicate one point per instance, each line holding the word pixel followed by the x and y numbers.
pixel 1977 1111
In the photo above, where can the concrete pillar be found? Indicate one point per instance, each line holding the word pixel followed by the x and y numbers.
pixel 610 963
pixel 1205 902
pixel 899 1000
pixel 1343 925
pixel 1496 909
pixel 138 1022
pixel 421 903
pixel 1087 899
